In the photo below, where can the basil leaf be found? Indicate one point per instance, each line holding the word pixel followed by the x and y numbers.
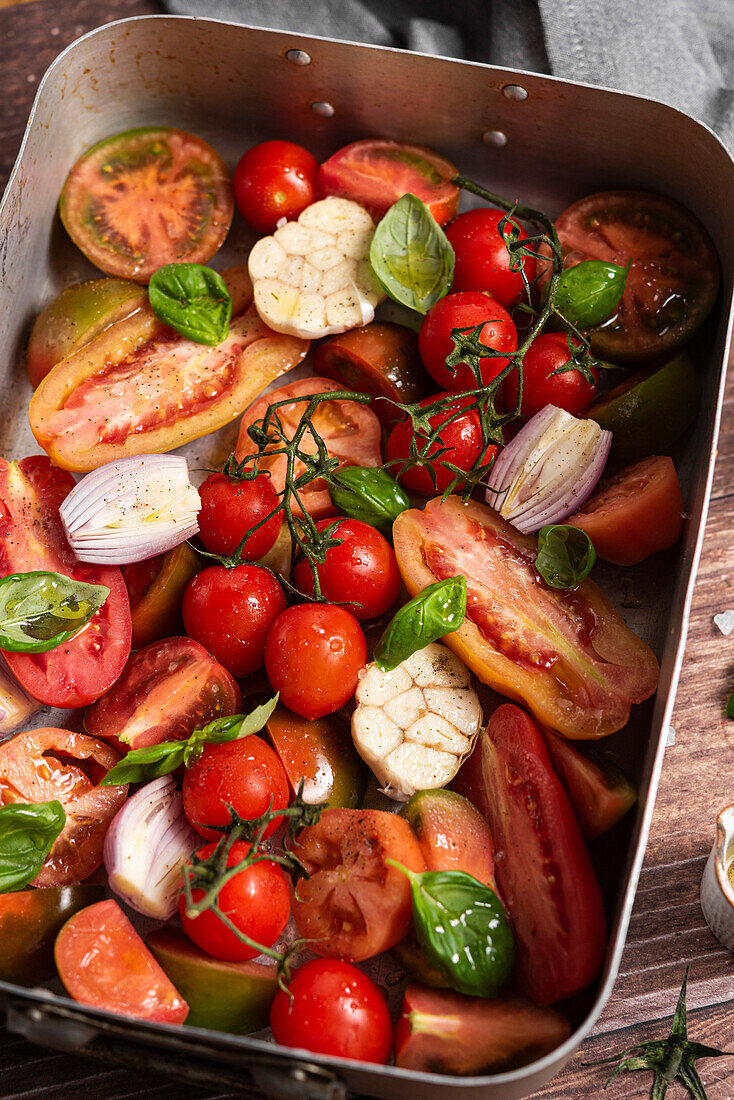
pixel 463 930
pixel 411 256
pixel 142 765
pixel 40 610
pixel 27 835
pixel 589 292
pixel 193 300
pixel 565 555
pixel 370 494
pixel 438 610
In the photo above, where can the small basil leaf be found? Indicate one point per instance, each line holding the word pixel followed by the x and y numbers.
pixel 27 835
pixel 565 555
pixel 40 610
pixel 589 292
pixel 438 610
pixel 411 256
pixel 463 930
pixel 369 494
pixel 193 300
pixel 237 726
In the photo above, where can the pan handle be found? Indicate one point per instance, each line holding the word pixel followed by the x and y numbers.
pixel 251 1074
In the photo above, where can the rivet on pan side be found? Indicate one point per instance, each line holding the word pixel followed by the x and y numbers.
pixel 496 138
pixel 298 57
pixel 322 108
pixel 515 92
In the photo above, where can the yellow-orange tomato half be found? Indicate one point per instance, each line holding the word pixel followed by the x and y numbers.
pixel 566 655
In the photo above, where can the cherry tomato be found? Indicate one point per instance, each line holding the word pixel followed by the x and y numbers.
pixel 465 309
pixel 362 570
pixel 230 611
pixel 274 180
pixel 313 656
pixel 355 905
pixel 332 1008
pixel 462 436
pixel 256 900
pixel 230 507
pixel 636 512
pixel 541 385
pixel 246 774
pixel 482 259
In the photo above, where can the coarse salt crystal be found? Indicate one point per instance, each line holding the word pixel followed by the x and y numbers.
pixel 725 621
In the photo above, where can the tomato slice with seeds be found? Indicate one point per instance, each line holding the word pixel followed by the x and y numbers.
pixel 147 197
pixel 50 763
pixel 567 655
pixel 32 537
pixel 377 173
pixel 674 277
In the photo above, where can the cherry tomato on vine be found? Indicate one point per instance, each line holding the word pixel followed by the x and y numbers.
pixel 362 570
pixel 313 656
pixel 332 1008
pixel 274 180
pixel 230 611
pixel 245 774
pixel 465 309
pixel 256 900
pixel 462 436
pixel 541 386
pixel 230 507
pixel 482 258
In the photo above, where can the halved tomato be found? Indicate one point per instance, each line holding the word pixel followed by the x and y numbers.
pixel 351 433
pixel 103 962
pixel 377 173
pixel 50 763
pixel 674 277
pixel 32 537
pixel 75 317
pixel 147 197
pixel 599 792
pixel 165 692
pixel 543 870
pixel 566 654
pixel 635 512
pixel 140 388
pixel 354 905
pixel 156 589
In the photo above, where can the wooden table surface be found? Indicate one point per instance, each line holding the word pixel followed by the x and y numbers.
pixel 667 928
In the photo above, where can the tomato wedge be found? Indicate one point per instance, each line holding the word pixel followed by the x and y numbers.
pixel 165 692
pixel 351 433
pixel 32 537
pixel 599 792
pixel 567 655
pixel 140 388
pixel 147 197
pixel 50 763
pixel 635 513
pixel 543 870
pixel 354 905
pixel 103 962
pixel 30 920
pixel 156 588
pixel 377 173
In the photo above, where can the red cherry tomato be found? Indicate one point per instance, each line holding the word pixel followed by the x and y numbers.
pixel 256 900
pixel 465 310
pixel 313 656
pixel 332 1008
pixel 274 180
pixel 230 611
pixel 482 259
pixel 362 570
pixel 462 436
pixel 230 507
pixel 245 774
pixel 541 386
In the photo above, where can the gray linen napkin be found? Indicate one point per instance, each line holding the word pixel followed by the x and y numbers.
pixel 680 51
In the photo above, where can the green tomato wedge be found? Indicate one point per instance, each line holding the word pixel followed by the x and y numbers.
pixel 29 923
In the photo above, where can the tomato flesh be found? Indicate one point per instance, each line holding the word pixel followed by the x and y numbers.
pixel 320 753
pixel 452 834
pixel 30 920
pixel 598 791
pixel 635 513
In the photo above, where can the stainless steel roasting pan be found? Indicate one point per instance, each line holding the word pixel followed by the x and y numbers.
pixel 542 140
